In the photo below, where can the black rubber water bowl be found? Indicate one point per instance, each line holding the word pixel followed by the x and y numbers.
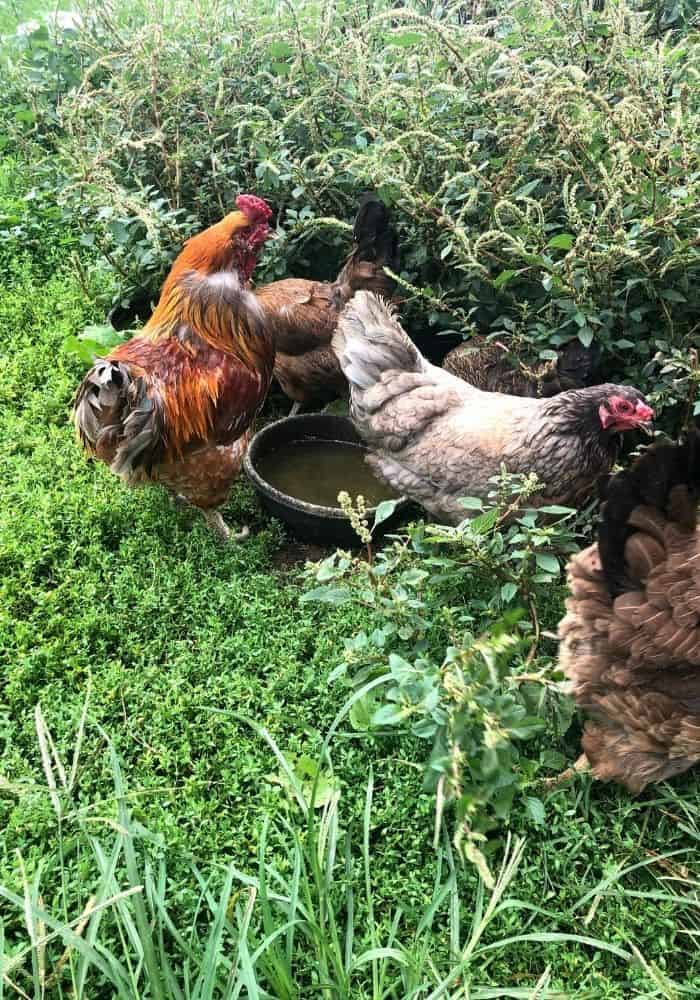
pixel 308 521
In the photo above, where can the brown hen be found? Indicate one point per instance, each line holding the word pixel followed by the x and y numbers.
pixel 302 315
pixel 488 365
pixel 630 642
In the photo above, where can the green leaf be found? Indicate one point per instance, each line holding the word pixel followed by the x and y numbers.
pixel 503 278
pixel 361 713
pixel 280 50
pixel 482 524
pixel 306 776
pixel 327 595
pixel 405 40
pixel 553 760
pixel 102 334
pixel 528 188
pixel 550 564
pixel 471 503
pixel 401 669
pixel 384 510
pixel 586 336
pixel 388 715
pixel 508 592
pixel 564 241
pixel 93 342
pixel 672 295
pixel 534 808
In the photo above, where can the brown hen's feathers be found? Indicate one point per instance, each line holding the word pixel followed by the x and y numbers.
pixel 630 642
pixel 488 365
pixel 303 315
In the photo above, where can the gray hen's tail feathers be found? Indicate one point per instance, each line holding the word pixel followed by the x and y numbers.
pixel 370 341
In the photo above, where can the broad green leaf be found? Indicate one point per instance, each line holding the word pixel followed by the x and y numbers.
pixel 389 715
pixel 471 503
pixel 102 334
pixel 384 510
pixel 361 713
pixel 484 522
pixel 534 807
pixel 564 241
pixel 550 564
pixel 327 595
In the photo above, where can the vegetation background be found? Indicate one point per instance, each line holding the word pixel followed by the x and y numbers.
pixel 542 163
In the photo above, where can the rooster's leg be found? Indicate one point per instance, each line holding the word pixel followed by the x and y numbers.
pixel 295 409
pixel 217 524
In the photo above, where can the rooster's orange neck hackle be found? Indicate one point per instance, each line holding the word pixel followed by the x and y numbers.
pixel 230 246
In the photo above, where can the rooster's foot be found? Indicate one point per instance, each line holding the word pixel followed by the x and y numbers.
pixel 218 525
pixel 295 409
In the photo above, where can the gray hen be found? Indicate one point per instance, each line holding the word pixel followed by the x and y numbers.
pixel 436 438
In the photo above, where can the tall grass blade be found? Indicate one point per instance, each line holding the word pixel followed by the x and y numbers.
pixel 155 980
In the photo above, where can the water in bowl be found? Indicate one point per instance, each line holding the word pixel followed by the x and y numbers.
pixel 316 471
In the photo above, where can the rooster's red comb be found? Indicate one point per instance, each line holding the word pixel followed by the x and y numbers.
pixel 256 209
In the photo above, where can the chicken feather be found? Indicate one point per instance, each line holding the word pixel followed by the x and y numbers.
pixel 174 404
pixel 638 675
pixel 437 439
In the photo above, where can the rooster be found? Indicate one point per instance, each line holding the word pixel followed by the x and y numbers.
pixel 436 439
pixel 630 642
pixel 174 404
pixel 303 314
pixel 486 365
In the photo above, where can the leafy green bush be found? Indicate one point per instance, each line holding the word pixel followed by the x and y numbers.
pixel 446 657
pixel 542 161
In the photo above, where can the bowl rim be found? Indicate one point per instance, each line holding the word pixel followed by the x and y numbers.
pixel 271 491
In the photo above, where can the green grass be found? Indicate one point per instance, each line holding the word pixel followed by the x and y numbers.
pixel 109 590
pixel 14 12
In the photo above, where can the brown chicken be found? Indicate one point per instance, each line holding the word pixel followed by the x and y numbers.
pixel 630 642
pixel 436 438
pixel 303 314
pixel 488 365
pixel 174 404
